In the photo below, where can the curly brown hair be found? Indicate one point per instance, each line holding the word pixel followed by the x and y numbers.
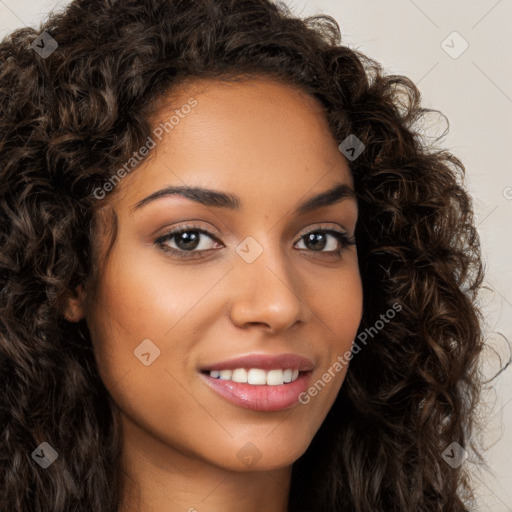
pixel 69 119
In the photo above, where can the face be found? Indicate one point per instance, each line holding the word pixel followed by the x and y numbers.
pixel 193 283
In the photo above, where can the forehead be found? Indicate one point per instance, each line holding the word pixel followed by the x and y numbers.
pixel 248 88
pixel 243 113
pixel 255 134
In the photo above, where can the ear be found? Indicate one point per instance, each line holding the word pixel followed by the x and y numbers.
pixel 74 305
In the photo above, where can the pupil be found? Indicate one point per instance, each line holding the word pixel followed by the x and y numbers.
pixel 187 241
pixel 315 237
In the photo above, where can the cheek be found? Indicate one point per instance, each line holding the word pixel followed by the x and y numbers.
pixel 146 296
pixel 140 318
pixel 340 307
pixel 140 299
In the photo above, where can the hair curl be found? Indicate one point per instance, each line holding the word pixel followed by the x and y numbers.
pixel 66 124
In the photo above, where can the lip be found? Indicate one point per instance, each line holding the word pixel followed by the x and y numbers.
pixel 263 398
pixel 264 362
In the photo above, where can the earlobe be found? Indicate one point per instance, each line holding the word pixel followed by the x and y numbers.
pixel 74 305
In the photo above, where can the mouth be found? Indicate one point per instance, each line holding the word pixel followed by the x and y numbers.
pixel 260 382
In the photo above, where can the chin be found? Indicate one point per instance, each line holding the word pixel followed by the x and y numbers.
pixel 263 457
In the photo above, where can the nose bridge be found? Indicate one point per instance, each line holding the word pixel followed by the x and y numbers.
pixel 266 291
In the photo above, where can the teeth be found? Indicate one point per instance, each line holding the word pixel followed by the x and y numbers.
pixel 256 376
pixel 239 375
pixel 225 374
pixel 275 377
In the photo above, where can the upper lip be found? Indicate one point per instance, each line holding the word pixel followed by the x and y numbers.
pixel 264 362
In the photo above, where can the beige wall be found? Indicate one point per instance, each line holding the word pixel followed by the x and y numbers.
pixel 474 90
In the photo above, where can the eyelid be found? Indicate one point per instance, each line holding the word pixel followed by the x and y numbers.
pixel 216 236
pixel 344 239
pixel 324 227
pixel 173 232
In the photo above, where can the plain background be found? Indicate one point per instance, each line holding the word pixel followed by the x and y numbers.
pixel 474 91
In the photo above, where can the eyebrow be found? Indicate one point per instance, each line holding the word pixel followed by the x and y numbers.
pixel 217 199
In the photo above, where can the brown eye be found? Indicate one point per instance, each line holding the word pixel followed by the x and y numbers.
pixel 318 241
pixel 186 239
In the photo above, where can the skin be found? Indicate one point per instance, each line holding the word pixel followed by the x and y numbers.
pixel 269 144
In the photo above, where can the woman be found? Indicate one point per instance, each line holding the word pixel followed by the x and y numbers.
pixel 233 274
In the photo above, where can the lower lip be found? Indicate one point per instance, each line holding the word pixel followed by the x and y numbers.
pixel 263 397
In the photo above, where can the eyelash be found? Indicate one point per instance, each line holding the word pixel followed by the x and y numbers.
pixel 344 241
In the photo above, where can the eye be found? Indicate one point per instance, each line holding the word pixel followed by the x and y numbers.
pixel 319 240
pixel 190 241
pixel 187 239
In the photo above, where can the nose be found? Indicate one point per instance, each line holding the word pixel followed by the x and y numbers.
pixel 267 292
